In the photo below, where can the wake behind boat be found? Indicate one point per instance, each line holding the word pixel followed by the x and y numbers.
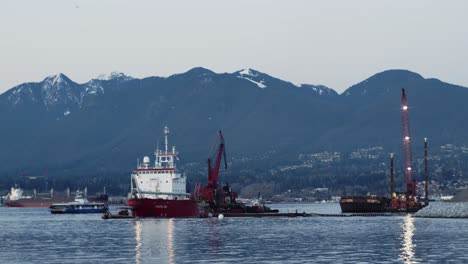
pixel 81 205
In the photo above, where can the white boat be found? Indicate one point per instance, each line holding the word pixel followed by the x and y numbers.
pixel 81 205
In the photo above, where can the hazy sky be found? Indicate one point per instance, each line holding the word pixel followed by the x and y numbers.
pixel 335 43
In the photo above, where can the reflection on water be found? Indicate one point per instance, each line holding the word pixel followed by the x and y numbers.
pixel 36 236
pixel 138 242
pixel 170 240
pixel 407 250
pixel 155 240
pixel 215 237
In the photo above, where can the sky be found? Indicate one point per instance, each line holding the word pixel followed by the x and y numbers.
pixel 329 42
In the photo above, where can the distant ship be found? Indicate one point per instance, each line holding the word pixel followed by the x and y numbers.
pixel 16 199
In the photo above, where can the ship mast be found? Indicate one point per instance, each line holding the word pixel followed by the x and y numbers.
pixel 392 186
pixel 410 182
pixel 166 142
pixel 426 174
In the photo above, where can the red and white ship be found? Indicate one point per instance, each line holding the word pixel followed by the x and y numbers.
pixel 158 190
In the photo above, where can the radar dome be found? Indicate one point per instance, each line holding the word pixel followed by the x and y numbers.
pixel 146 160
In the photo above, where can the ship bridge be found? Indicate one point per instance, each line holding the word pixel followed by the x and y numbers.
pixel 160 181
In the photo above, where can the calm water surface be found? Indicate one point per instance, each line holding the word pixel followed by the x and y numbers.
pixel 33 235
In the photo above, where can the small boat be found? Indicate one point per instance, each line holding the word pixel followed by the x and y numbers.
pixel 81 205
pixel 122 214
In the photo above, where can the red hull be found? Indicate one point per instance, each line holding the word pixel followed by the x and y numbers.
pixel 37 202
pixel 165 208
pixel 47 202
pixel 26 204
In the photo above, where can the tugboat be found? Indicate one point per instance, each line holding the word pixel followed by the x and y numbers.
pixel 81 205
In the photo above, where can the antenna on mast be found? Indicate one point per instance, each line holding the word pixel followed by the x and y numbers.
pixel 166 143
pixel 156 152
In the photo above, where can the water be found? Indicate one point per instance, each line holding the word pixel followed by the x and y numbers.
pixel 33 235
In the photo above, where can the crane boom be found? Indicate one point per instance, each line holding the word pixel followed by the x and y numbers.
pixel 405 126
pixel 220 153
pixel 209 192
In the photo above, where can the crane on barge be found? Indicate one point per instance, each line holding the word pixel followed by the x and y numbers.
pixel 223 200
pixel 210 191
pixel 409 201
pixel 407 151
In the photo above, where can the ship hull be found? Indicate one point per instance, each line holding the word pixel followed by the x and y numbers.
pixel 84 211
pixel 376 204
pixel 47 202
pixel 21 204
pixel 364 204
pixel 35 202
pixel 161 208
pixel 89 208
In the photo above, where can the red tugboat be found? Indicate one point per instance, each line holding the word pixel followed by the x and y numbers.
pixel 399 202
pixel 160 191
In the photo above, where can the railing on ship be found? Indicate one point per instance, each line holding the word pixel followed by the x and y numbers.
pixel 137 192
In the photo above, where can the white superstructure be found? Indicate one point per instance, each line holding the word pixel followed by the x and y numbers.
pixel 15 194
pixel 159 180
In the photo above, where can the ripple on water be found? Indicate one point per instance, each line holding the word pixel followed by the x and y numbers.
pixel 33 235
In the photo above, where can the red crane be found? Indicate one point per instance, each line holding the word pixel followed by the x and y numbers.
pixel 222 199
pixel 405 126
pixel 409 201
pixel 209 192
pixel 213 173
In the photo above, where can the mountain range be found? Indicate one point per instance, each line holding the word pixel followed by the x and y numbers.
pixel 104 125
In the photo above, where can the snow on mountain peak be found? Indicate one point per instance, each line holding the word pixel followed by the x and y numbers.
pixel 113 75
pixel 58 89
pixel 249 75
pixel 319 89
pixel 92 87
pixel 247 71
pixel 56 79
